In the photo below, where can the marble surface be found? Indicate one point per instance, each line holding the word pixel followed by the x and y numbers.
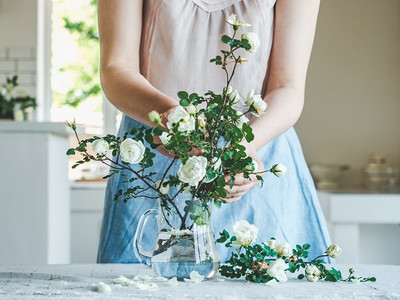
pixel 81 281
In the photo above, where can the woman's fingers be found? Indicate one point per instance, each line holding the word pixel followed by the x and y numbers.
pixel 196 152
pixel 239 189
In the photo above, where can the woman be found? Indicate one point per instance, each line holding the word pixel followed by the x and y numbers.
pixel 151 49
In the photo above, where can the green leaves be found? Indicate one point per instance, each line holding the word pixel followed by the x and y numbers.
pixel 248 133
pixel 226 39
pixel 224 236
pixel 71 151
pixel 217 60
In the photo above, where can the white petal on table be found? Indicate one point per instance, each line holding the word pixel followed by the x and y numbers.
pixel 147 286
pixel 174 282
pixel 103 288
pixel 143 278
pixel 121 280
pixel 272 282
pixel 195 277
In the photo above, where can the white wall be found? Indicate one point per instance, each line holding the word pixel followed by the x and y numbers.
pixel 18 23
pixel 353 89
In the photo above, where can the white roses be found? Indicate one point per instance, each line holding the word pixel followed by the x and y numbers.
pixel 193 171
pixel 241 120
pixel 164 187
pixel 232 21
pixel 132 152
pixel 253 40
pixel 281 247
pixel 100 146
pixel 165 137
pixel 256 102
pixel 155 117
pixel 278 170
pixel 8 92
pixel 277 270
pixel 181 116
pixel 334 251
pixel 312 273
pixel 245 233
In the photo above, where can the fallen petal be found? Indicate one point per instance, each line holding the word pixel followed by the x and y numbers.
pixel 272 282
pixel 147 286
pixel 162 279
pixel 121 280
pixel 103 288
pixel 174 282
pixel 143 278
pixel 194 275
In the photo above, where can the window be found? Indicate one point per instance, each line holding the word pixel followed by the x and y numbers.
pixel 73 70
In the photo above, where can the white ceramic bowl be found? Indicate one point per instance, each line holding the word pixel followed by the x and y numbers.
pixel 326 175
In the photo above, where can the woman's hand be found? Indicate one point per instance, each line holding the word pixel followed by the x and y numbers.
pixel 243 185
pixel 161 148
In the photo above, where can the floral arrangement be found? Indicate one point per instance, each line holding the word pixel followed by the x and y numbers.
pixel 208 125
pixel 267 262
pixel 11 99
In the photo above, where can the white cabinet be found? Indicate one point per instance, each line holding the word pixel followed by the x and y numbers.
pixel 34 193
pixel 364 224
pixel 87 199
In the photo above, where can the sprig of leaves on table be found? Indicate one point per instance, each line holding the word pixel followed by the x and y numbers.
pixel 262 263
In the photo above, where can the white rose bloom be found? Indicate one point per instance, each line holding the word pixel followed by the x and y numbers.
pixel 276 269
pixel 253 40
pixel 202 122
pixel 193 171
pixel 100 146
pixel 259 105
pixel 242 120
pixel 132 151
pixel 163 189
pixel 155 117
pixel 191 109
pixel 234 97
pixel 252 167
pixel 165 138
pixel 271 244
pixel 250 98
pixel 232 20
pixel 187 122
pixel 281 247
pixel 229 90
pixel 334 251
pixel 279 170
pixel 245 233
pixel 8 92
pixel 355 280
pixel 312 273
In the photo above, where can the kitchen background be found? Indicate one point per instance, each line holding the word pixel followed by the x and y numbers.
pixel 352 109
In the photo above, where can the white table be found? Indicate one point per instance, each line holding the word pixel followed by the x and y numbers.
pixel 78 281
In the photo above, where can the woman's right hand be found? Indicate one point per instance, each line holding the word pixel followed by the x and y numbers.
pixel 157 140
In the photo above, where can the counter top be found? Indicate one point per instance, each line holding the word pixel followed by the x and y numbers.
pixel 80 281
pixel 57 128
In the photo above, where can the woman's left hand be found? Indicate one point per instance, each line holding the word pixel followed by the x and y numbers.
pixel 243 185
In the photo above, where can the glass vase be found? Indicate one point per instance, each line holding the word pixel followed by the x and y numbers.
pixel 178 250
